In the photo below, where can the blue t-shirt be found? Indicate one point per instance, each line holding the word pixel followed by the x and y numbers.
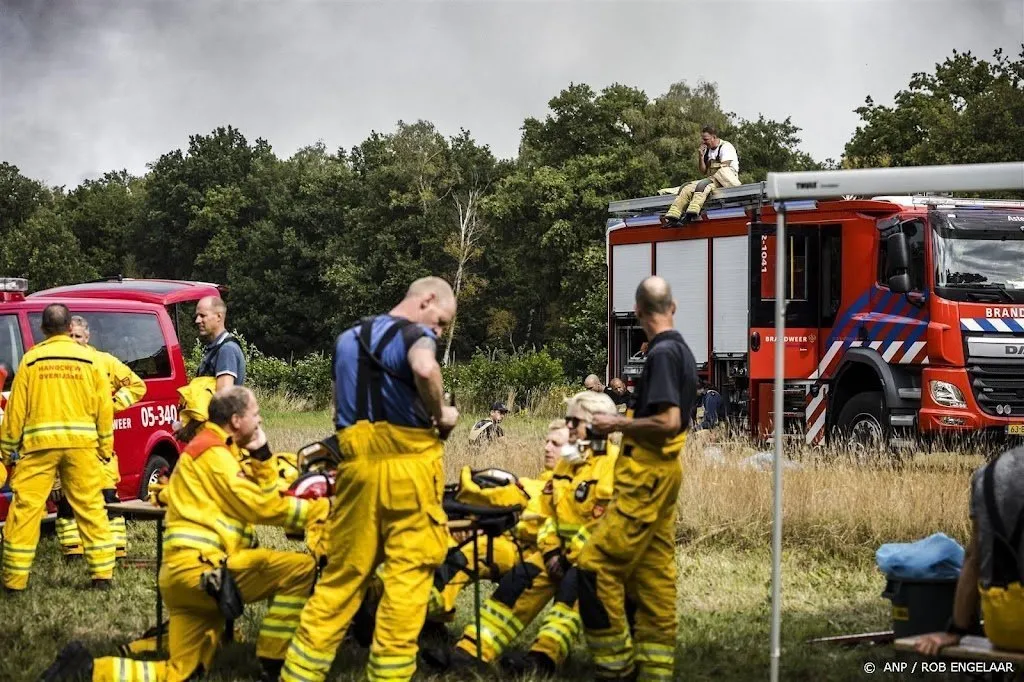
pixel 401 401
pixel 225 358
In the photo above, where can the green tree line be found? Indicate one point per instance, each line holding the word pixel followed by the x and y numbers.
pixel 308 244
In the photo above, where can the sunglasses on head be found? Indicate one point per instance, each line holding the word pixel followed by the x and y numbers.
pixel 573 421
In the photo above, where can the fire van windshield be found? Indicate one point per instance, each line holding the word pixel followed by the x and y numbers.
pixel 979 255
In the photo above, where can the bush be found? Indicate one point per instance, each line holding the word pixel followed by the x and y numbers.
pixel 308 378
pixel 531 380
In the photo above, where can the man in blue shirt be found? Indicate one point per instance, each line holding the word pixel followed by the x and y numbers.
pixel 390 418
pixel 222 357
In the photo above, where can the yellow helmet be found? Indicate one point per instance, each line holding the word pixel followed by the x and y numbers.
pixel 195 399
pixel 490 488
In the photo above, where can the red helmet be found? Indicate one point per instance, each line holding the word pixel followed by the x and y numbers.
pixel 312 485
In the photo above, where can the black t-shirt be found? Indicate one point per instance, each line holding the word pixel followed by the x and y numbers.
pixel 669 377
pixel 616 398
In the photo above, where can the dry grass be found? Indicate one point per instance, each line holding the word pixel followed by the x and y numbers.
pixel 836 514
pixel 830 503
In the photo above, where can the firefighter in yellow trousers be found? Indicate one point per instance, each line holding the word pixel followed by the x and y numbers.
pixel 59 419
pixel 126 389
pixel 574 499
pixel 449 582
pixel 390 418
pixel 209 559
pixel 720 167
pixel 632 552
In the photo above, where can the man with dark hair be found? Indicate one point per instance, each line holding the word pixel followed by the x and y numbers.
pixel 222 358
pixel 59 418
pixel 635 543
pixel 390 417
pixel 715 412
pixel 211 562
pixel 720 166
pixel 489 430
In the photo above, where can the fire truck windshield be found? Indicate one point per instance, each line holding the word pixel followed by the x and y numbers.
pixel 979 254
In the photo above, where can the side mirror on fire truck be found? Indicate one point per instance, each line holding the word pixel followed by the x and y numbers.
pixel 897 264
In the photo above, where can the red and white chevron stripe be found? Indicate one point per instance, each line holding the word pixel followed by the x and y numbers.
pixel 893 352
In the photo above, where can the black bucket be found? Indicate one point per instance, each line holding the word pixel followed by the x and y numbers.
pixel 920 605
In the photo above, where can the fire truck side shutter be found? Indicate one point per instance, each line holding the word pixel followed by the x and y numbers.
pixel 685 265
pixel 731 291
pixel 631 263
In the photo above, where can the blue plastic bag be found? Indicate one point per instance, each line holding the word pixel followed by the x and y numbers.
pixel 937 556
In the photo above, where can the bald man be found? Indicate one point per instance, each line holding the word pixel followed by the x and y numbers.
pixel 222 357
pixel 390 417
pixel 634 545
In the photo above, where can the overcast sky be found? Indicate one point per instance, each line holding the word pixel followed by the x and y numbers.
pixel 91 86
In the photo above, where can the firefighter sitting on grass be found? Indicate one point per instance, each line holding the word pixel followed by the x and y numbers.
pixel 211 568
pixel 720 167
pixel 574 501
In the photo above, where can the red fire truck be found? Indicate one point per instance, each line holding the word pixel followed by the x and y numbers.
pixel 904 315
pixel 141 322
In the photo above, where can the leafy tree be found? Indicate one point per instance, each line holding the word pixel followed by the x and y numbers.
pixel 102 215
pixel 968 111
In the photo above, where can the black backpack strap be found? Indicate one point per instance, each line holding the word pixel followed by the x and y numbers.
pixel 368 382
pixel 1005 564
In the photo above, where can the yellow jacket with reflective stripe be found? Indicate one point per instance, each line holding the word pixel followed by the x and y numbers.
pixel 575 499
pixel 534 514
pixel 60 398
pixel 125 384
pixel 212 502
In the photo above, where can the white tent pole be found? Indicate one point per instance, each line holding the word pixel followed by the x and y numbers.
pixel 780 363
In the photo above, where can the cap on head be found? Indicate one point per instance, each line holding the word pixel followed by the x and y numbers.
pixel 585 404
pixel 499 407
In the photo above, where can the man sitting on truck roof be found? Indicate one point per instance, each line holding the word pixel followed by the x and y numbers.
pixel 720 166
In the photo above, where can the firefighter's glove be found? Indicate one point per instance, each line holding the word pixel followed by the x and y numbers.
pixel 156 489
pixel 557 564
pixel 220 584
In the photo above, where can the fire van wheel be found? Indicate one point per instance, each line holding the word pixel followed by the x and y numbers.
pixel 151 474
pixel 861 428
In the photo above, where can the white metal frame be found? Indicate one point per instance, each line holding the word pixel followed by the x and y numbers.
pixel 781 187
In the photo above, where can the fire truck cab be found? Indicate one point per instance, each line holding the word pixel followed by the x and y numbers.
pixel 904 315
pixel 140 321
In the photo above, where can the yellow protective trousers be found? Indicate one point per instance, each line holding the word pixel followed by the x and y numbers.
pixel 634 545
pixel 692 195
pixel 67 528
pixel 521 596
pixel 196 624
pixel 1002 609
pixel 81 481
pixel 387 509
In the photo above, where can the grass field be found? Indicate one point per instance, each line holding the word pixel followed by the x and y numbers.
pixel 836 514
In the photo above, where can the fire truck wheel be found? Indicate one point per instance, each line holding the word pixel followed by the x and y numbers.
pixel 154 466
pixel 861 426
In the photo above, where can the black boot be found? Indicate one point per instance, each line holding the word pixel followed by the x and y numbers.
pixel 530 663
pixel 74 662
pixel 670 221
pixel 271 669
pixel 690 218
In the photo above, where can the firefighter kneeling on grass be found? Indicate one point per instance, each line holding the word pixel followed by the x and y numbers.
pixel 210 568
pixel 574 501
pixel 126 389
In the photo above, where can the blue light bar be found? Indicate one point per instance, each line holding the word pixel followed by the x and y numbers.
pixel 720 213
pixel 798 205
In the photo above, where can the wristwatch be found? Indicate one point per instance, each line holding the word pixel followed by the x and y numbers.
pixel 954 629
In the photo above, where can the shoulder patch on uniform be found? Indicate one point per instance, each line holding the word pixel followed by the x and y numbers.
pixel 598 511
pixel 549 488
